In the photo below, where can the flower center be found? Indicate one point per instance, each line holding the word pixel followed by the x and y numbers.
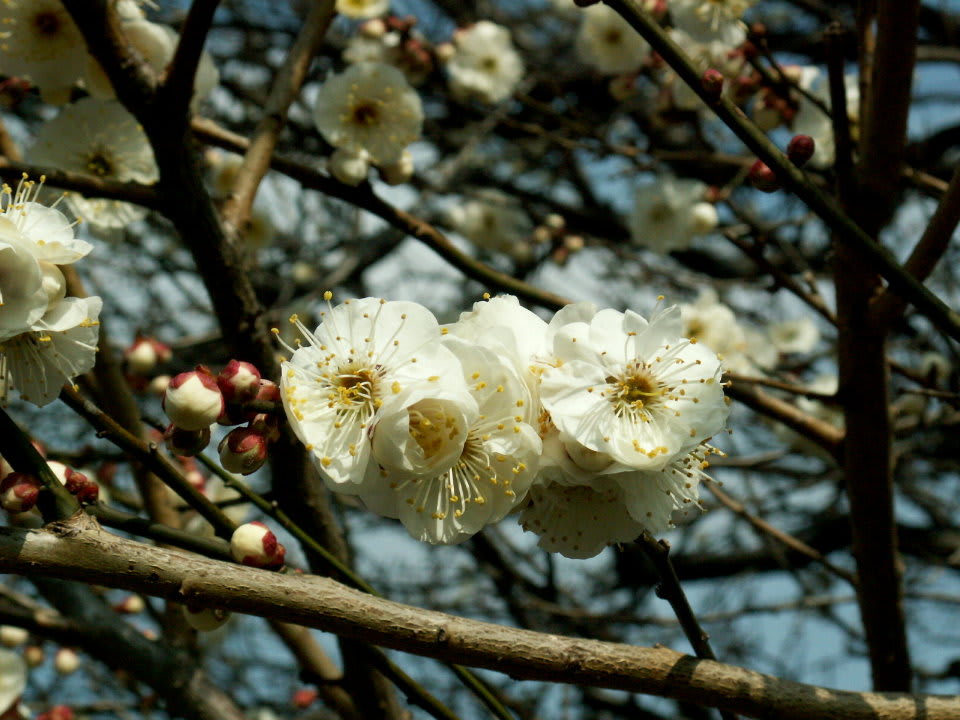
pixel 99 164
pixel 612 36
pixel 47 24
pixel 659 212
pixel 489 64
pixel 635 390
pixel 355 386
pixel 365 114
pixel 432 429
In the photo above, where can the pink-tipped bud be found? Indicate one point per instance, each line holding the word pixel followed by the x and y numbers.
pixel 801 149
pixel 141 357
pixel 158 385
pixel 205 619
pixel 193 401
pixel 269 393
pixel 763 178
pixel 13 636
pixel 254 544
pixel 19 492
pixel 192 473
pixel 239 381
pixel 130 605
pixel 243 451
pixel 304 698
pixel 34 655
pixel 66 661
pixel 267 425
pixel 83 488
pixel 712 83
pixel 57 712
pixel 186 443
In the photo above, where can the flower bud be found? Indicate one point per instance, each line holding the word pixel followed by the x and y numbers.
pixel 66 661
pixel 801 149
pixel 158 385
pixel 374 28
pixel 445 51
pixel 19 492
pixel 205 619
pixel 186 443
pixel 239 381
pixel 192 473
pixel 763 178
pixel 141 356
pixel 243 451
pixel 712 83
pixel 254 544
pixel 704 217
pixel 13 636
pixel 83 488
pixel 193 401
pixel 267 425
pixel 269 393
pixel 399 171
pixel 34 655
pixel 57 712
pixel 555 221
pixel 349 167
pixel 303 698
pixel 130 605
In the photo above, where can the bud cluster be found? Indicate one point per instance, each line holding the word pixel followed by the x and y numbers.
pixel 19 491
pixel 197 399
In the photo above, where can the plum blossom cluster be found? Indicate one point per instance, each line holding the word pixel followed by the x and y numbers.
pixel 46 338
pixel 593 426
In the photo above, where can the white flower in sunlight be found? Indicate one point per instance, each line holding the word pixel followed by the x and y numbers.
pixel 795 336
pixel 607 43
pixel 157 44
pixel 708 20
pixel 99 138
pixel 714 324
pixel 371 107
pixel 485 66
pixel 632 389
pixel 451 463
pixel 669 213
pixel 41 42
pixel 62 345
pixel 362 9
pixel 364 353
pixel 495 221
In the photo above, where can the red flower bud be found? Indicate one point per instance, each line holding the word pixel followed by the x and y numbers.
pixel 304 698
pixel 239 381
pixel 57 712
pixel 712 83
pixel 19 492
pixel 763 178
pixel 243 451
pixel 801 149
pixel 186 443
pixel 192 400
pixel 255 545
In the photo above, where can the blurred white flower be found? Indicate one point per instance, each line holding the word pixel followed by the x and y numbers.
pixel 371 107
pixel 794 336
pixel 13 679
pixel 713 54
pixel 813 121
pixel 495 221
pixel 99 138
pixel 361 9
pixel 607 43
pixel 41 42
pixel 485 66
pixel 708 20
pixel 669 213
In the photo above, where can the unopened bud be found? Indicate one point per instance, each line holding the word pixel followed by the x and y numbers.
pixel 205 619
pixel 19 492
pixel 243 451
pixel 763 178
pixel 399 171
pixel 83 488
pixel 375 28
pixel 349 167
pixel 34 655
pixel 239 381
pixel 254 544
pixel 143 355
pixel 66 661
pixel 801 149
pixel 130 605
pixel 186 443
pixel 13 636
pixel 193 401
pixel 555 221
pixel 303 698
pixel 158 385
pixel 267 425
pixel 269 393
pixel 704 218
pixel 712 83
pixel 574 243
pixel 445 52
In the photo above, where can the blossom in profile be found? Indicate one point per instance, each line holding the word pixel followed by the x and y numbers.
pixel 485 65
pixel 669 213
pixel 99 138
pixel 494 221
pixel 369 107
pixel 634 389
pixel 607 43
pixel 363 353
pixel 41 42
pixel 456 459
pixel 709 20
pixel 362 9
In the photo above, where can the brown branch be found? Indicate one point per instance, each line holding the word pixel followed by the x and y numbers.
pixel 80 550
pixel 176 89
pixel 286 87
pixel 145 195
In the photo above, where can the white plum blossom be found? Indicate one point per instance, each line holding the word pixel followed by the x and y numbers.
pixel 485 66
pixel 712 54
pixel 709 20
pixel 607 43
pixel 100 138
pixel 714 324
pixel 634 389
pixel 369 107
pixel 494 221
pixel 362 9
pixel 41 42
pixel 669 213
pixel 364 353
pixel 794 336
pixel 456 461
